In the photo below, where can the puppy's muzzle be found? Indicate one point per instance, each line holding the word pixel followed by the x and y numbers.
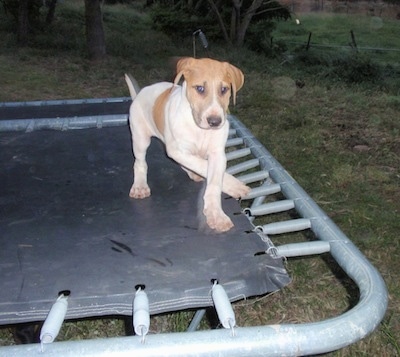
pixel 214 121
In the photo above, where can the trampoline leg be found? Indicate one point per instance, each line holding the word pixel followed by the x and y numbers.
pixel 194 324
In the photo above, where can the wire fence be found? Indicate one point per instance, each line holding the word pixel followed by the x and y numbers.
pixel 353 45
pixel 383 55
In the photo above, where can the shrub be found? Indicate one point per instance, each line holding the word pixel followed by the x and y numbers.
pixel 344 66
pixel 259 39
pixel 175 21
pixel 34 14
pixel 357 68
pixel 67 32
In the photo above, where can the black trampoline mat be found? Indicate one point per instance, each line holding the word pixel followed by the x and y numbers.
pixel 67 223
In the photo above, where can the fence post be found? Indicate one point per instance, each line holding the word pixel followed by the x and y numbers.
pixel 353 41
pixel 308 42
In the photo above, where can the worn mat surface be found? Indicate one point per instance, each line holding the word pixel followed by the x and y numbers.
pixel 67 223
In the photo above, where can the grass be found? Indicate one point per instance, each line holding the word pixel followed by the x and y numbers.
pixel 334 30
pixel 339 140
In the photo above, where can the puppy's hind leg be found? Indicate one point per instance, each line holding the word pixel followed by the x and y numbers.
pixel 140 188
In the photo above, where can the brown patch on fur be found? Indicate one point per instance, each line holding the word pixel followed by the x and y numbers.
pixel 158 110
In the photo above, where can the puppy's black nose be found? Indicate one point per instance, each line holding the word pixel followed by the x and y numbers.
pixel 214 121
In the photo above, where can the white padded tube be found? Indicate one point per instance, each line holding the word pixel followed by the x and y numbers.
pixel 223 306
pixel 141 315
pixel 54 320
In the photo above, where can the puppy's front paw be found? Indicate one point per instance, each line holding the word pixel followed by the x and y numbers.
pixel 218 220
pixel 139 192
pixel 235 188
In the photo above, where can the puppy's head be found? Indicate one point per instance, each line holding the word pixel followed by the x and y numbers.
pixel 209 85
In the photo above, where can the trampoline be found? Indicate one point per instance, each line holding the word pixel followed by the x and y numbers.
pixel 75 245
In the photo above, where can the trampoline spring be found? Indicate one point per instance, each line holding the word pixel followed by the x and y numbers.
pixel 273 252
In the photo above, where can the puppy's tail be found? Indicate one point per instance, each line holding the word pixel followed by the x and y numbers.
pixel 132 85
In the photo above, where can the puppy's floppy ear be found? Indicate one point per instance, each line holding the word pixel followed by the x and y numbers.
pixel 182 68
pixel 236 78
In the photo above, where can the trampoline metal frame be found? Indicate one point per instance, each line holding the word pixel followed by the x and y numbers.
pixel 269 340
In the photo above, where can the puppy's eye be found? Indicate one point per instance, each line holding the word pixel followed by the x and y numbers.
pixel 200 89
pixel 224 90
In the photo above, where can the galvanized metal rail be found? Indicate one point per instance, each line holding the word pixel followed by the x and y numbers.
pixel 267 176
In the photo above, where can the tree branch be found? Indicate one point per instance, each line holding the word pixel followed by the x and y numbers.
pixel 220 21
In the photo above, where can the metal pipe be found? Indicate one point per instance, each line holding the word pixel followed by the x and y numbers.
pixel 237 154
pixel 293 225
pixel 64 123
pixel 194 324
pixel 254 177
pixel 40 103
pixel 301 249
pixel 234 142
pixel 243 166
pixel 272 207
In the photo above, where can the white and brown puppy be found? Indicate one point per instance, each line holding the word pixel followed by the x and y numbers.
pixel 191 120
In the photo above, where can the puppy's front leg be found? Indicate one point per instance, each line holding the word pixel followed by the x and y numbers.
pixel 140 188
pixel 213 169
pixel 215 216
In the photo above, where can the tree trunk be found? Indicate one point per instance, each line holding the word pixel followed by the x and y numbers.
pixel 235 19
pixel 23 22
pixel 251 11
pixel 94 30
pixel 50 13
